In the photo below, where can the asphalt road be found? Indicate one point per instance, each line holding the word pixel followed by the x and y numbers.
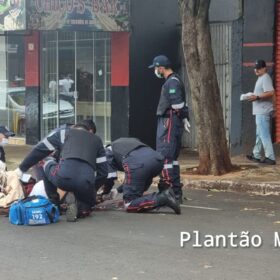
pixel 114 245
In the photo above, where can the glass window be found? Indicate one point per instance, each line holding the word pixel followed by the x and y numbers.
pixel 75 79
pixel 12 85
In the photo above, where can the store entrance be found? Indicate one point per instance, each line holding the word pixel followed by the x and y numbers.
pixel 75 80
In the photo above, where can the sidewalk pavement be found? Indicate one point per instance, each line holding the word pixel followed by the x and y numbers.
pixel 252 177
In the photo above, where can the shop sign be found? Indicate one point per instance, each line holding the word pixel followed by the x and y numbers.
pixel 94 15
pixel 12 15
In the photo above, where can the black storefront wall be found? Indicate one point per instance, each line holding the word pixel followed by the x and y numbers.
pixel 119 112
pixel 155 29
pixel 258 43
pixel 119 85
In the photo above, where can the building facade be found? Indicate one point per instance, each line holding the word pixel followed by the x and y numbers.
pixel 66 60
pixel 61 60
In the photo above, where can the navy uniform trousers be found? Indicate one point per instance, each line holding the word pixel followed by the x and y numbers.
pixel 169 134
pixel 72 175
pixel 140 166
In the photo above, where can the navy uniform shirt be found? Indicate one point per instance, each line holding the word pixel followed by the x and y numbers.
pixel 173 97
pixel 54 143
pixel 112 167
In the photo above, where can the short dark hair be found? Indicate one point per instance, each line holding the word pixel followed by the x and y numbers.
pixel 88 124
pixel 79 125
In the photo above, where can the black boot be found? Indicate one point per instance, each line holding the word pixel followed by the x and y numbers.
pixel 166 198
pixel 84 209
pixel 54 198
pixel 178 194
pixel 162 186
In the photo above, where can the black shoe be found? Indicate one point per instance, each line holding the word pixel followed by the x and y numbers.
pixel 176 191
pixel 72 209
pixel 162 186
pixel 268 161
pixel 166 198
pixel 84 209
pixel 179 198
pixel 83 214
pixel 252 158
pixel 54 198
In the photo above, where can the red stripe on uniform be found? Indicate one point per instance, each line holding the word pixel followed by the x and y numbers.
pixel 169 127
pixel 142 206
pixel 166 176
pixel 128 175
pixel 55 170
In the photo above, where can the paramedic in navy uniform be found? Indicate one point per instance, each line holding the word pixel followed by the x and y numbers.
pixel 81 155
pixel 173 117
pixel 140 165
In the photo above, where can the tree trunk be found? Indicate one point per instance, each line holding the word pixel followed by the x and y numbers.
pixel 196 40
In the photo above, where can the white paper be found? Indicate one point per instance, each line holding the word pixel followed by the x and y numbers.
pixel 245 96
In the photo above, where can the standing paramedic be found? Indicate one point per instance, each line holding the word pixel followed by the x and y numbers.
pixel 81 155
pixel 173 117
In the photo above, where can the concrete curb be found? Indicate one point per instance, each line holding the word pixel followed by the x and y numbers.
pixel 264 188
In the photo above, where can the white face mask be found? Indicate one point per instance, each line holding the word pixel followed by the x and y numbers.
pixel 160 76
pixel 4 142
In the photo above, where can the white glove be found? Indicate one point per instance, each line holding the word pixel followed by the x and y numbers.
pixel 18 172
pixel 2 166
pixel 187 125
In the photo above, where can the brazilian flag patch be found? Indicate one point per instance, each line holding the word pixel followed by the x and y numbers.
pixel 172 90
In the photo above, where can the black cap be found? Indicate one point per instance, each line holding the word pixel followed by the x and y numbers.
pixel 260 64
pixel 5 130
pixel 160 60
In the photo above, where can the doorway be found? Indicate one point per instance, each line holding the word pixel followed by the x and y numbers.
pixel 75 80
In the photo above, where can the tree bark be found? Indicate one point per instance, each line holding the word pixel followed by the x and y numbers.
pixel 196 40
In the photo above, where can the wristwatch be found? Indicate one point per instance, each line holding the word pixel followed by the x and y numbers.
pixel 258 98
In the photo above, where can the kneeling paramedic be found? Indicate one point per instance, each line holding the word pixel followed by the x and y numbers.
pixel 81 155
pixel 140 164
